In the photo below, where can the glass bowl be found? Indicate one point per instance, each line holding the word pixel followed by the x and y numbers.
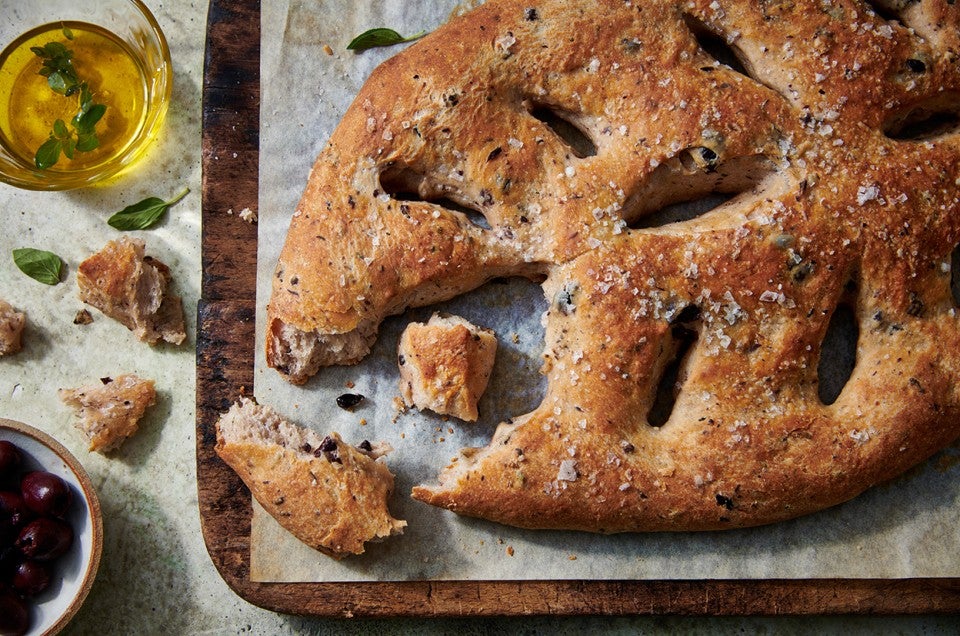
pixel 116 50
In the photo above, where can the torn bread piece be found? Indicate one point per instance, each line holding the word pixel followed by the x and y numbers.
pixel 329 494
pixel 108 413
pixel 445 365
pixel 133 289
pixel 11 329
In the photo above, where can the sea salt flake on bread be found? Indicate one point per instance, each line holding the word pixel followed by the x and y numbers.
pixel 329 494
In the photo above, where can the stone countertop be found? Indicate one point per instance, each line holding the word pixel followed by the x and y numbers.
pixel 155 575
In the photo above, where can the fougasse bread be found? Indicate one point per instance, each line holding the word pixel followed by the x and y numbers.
pixel 830 134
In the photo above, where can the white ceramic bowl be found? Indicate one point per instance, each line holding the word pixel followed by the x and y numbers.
pixel 75 571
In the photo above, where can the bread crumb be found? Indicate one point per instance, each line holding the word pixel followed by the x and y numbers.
pixel 327 49
pixel 245 214
pixel 83 317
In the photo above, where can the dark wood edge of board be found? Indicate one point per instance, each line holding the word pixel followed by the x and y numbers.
pixel 225 370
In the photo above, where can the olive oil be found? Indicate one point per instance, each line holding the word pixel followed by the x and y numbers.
pixel 29 108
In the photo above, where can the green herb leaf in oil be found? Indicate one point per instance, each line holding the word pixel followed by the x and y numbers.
pixel 380 37
pixel 39 265
pixel 143 215
pixel 48 153
pixel 62 78
pixel 85 119
pixel 58 67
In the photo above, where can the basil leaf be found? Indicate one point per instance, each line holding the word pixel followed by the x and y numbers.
pixel 380 37
pixel 142 215
pixel 39 265
pixel 47 154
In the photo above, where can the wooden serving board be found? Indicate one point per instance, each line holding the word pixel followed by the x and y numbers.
pixel 225 370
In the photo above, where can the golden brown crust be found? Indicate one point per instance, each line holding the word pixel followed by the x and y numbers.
pixel 11 329
pixel 327 493
pixel 445 365
pixel 841 199
pixel 132 288
pixel 108 413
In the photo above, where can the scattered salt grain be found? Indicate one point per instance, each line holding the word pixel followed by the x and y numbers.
pixel 568 470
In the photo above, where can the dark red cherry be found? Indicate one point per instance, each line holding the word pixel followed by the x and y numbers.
pixel 31 577
pixel 10 458
pixel 45 539
pixel 10 558
pixel 14 615
pixel 45 494
pixel 13 508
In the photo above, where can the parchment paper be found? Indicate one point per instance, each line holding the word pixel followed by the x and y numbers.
pixel 907 528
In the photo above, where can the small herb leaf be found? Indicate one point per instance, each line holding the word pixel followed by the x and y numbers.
pixel 57 82
pixel 86 142
pixel 380 37
pixel 48 153
pixel 60 129
pixel 142 215
pixel 62 78
pixel 69 146
pixel 86 120
pixel 39 265
pixel 86 97
pixel 56 49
